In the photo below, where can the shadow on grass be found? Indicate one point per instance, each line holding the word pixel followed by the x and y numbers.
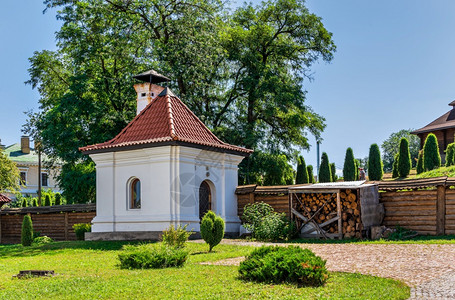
pixel 58 247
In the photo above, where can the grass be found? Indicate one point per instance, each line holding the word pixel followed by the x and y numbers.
pixel 88 270
pixel 442 171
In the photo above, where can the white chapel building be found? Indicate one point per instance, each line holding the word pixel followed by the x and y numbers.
pixel 165 167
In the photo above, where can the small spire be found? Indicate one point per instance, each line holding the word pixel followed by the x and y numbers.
pixel 167 91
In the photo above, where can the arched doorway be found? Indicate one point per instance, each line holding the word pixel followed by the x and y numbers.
pixel 205 199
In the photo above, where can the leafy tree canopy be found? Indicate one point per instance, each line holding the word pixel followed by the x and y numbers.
pixel 9 174
pixel 242 73
pixel 390 147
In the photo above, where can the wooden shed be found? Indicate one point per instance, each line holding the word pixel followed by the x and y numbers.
pixel 336 209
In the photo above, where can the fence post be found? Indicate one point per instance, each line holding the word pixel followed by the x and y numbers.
pixel 441 210
pixel 251 197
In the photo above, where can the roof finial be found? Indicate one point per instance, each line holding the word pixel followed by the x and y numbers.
pixel 167 91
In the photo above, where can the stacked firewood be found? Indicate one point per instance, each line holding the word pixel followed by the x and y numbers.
pixel 322 207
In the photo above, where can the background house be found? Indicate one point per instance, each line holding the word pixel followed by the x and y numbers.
pixel 444 129
pixel 27 160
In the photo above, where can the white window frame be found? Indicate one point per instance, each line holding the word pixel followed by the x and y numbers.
pixel 129 194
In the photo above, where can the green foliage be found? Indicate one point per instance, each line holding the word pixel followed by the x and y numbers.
pixel 35 202
pixel 431 157
pixel 27 231
pixel 450 155
pixel 311 179
pixel 176 237
pixel 267 169
pixel 390 147
pixel 9 174
pixel 349 168
pixel 279 264
pixel 419 167
pixel 395 173
pixel 325 175
pixel 212 229
pixel 58 199
pixel 375 167
pixel 80 229
pixel 302 172
pixel 42 240
pixel 404 159
pixel 265 224
pixel 47 200
pixel 148 256
pixel 400 233
pixel 333 171
pixel 24 202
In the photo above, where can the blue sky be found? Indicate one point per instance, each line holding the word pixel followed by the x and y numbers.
pixel 394 68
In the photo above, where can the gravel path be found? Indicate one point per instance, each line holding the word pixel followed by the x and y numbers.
pixel 428 269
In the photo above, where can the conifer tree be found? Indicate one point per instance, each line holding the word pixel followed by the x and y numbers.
pixel 302 172
pixel 24 202
pixel 58 199
pixel 27 231
pixel 431 157
pixel 35 202
pixel 47 200
pixel 309 168
pixel 404 159
pixel 325 175
pixel 450 153
pixel 333 170
pixel 375 166
pixel 395 166
pixel 349 169
pixel 419 167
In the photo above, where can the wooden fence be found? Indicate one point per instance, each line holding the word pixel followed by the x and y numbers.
pixel 54 221
pixel 424 205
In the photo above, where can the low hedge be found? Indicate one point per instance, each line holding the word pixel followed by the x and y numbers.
pixel 152 257
pixel 280 264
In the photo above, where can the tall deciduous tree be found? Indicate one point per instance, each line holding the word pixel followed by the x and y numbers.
pixel 375 167
pixel 9 174
pixel 431 157
pixel 404 159
pixel 391 145
pixel 325 174
pixel 349 168
pixel 302 172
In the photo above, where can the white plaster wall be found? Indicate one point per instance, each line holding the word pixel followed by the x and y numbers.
pixel 170 180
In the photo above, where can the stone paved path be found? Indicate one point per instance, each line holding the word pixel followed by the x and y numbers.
pixel 428 269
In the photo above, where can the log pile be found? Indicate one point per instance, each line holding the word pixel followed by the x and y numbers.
pixel 322 207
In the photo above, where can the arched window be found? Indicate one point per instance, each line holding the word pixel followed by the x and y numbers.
pixel 205 199
pixel 135 194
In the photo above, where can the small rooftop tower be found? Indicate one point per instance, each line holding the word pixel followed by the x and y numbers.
pixel 147 90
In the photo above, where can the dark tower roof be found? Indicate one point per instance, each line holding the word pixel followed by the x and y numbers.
pixel 445 121
pixel 152 76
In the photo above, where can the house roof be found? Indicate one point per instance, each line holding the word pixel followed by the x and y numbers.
pixel 15 154
pixel 4 199
pixel 445 121
pixel 165 121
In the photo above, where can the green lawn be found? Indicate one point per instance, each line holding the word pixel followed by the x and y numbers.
pixel 88 270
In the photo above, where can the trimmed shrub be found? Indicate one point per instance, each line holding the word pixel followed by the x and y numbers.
pixel 395 166
pixel 309 168
pixel 35 202
pixel 176 237
pixel 151 257
pixel 212 229
pixel 333 171
pixel 41 240
pixel 279 264
pixel 24 202
pixel 254 213
pixel 349 168
pixel 58 199
pixel 404 159
pixel 27 231
pixel 47 200
pixel 302 172
pixel 450 153
pixel 431 157
pixel 419 167
pixel 324 171
pixel 357 171
pixel 80 229
pixel 375 166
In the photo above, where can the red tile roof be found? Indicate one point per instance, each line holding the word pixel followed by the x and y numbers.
pixel 4 199
pixel 166 120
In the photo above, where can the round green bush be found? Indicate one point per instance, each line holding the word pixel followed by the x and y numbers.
pixel 151 257
pixel 325 175
pixel 80 229
pixel 284 264
pixel 404 159
pixel 431 157
pixel 27 231
pixel 212 229
pixel 375 166
pixel 302 172
pixel 349 168
pixel 419 167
